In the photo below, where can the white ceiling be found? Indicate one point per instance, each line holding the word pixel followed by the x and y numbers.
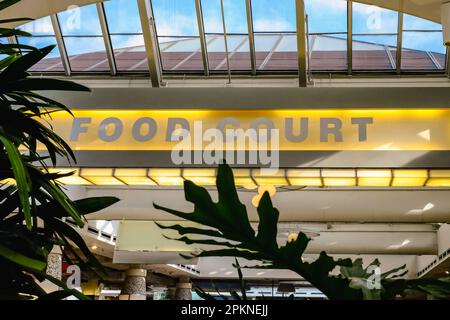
pixel 302 205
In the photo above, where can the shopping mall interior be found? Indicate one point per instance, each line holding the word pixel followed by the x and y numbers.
pixel 359 92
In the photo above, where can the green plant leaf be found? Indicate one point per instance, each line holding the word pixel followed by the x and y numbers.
pixel 7 3
pixel 15 20
pixel 21 177
pixel 268 219
pixel 18 68
pixel 22 260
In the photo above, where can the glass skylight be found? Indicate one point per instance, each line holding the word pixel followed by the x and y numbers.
pixel 82 35
pixel 374 38
pixel 126 35
pixel 42 36
pixel 422 47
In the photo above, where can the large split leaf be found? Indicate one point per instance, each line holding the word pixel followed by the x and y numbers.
pixel 228 220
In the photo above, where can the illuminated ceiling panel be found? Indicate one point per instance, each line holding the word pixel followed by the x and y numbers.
pixel 252 178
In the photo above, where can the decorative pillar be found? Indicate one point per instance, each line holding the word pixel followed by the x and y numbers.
pixel 184 289
pixel 170 292
pixel 135 285
pixel 445 19
pixel 54 263
pixel 54 269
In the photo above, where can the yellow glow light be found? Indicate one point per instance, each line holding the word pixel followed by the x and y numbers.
pixel 274 179
pixel 439 178
pixel 304 177
pixel 270 189
pixel 73 180
pixel 167 177
pixel 409 178
pixel 202 177
pixel 8 181
pixel 255 200
pixel 292 236
pixel 374 177
pixel 242 179
pixel 134 177
pixel 339 177
pixel 100 177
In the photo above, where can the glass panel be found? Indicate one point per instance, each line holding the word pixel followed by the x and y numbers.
pixel 80 21
pixel 86 53
pixel 52 62
pixel 325 16
pixel 328 52
pixel 274 16
pixel 235 16
pixel 181 54
pixel 376 52
pixel 238 49
pixel 373 20
pixel 283 54
pixel 40 27
pixel 122 16
pixel 129 52
pixel 415 23
pixel 175 17
pixel 423 51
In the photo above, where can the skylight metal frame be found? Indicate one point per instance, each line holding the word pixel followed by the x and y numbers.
pixel 251 35
pixel 301 42
pixel 151 41
pixel 349 37
pixel 201 32
pixel 398 60
pixel 153 50
pixel 61 45
pixel 107 38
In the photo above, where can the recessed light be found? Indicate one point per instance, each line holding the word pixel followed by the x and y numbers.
pixel 447 272
pixel 94 247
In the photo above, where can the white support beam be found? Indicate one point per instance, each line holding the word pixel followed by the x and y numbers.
pixel 201 32
pixel 106 38
pixel 251 35
pixel 61 46
pixel 151 41
pixel 398 58
pixel 301 42
pixel 349 37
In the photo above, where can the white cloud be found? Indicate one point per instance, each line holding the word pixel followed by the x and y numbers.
pixel 272 25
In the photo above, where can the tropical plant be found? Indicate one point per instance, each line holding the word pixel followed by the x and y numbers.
pixel 225 225
pixel 32 203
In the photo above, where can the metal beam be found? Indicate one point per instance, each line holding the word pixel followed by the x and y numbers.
pixel 251 35
pixel 398 60
pixel 150 40
pixel 107 39
pixel 349 37
pixel 447 63
pixel 226 41
pixel 301 42
pixel 201 32
pixel 60 43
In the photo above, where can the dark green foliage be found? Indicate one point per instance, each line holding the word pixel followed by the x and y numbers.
pixel 225 224
pixel 32 204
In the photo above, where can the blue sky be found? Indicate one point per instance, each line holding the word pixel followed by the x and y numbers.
pixel 178 18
